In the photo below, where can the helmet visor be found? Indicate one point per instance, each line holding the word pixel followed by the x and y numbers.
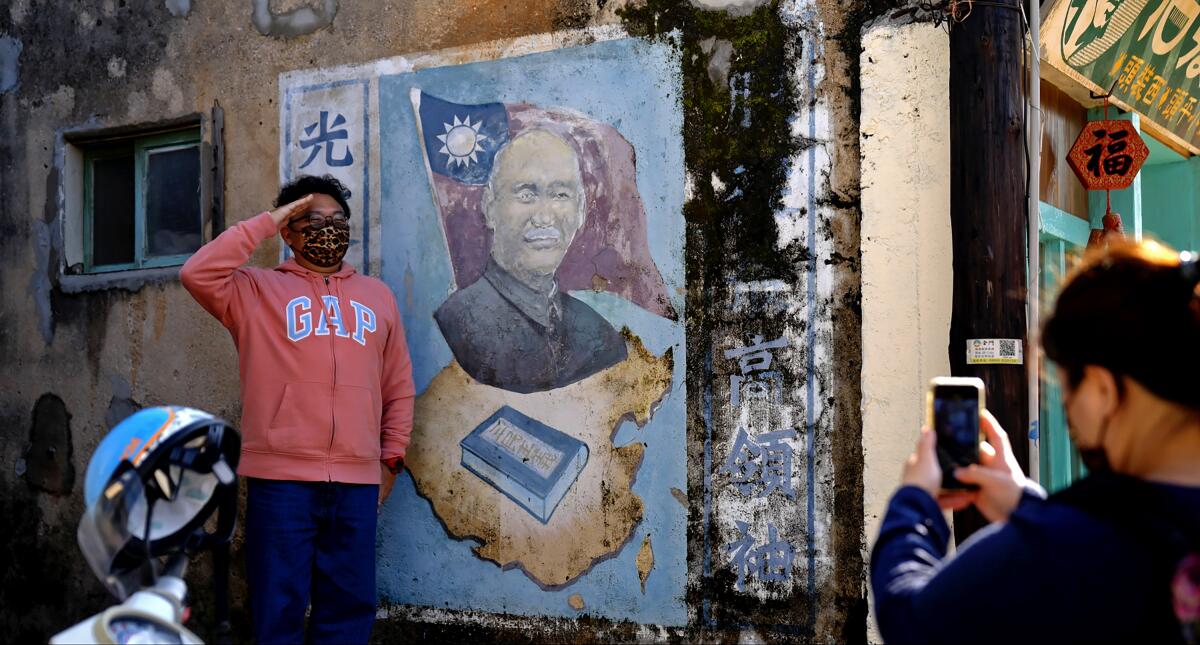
pixel 113 532
pixel 105 537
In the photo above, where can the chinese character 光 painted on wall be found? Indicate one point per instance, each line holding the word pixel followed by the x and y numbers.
pixel 327 135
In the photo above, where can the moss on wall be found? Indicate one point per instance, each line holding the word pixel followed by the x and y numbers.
pixel 740 133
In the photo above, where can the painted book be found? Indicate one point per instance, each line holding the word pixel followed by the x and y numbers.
pixel 530 462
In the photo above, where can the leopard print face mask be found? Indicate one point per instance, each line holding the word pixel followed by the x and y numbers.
pixel 325 246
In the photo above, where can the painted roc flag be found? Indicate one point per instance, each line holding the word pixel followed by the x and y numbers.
pixel 609 253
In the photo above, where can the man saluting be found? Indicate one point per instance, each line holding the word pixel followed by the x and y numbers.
pixel 327 400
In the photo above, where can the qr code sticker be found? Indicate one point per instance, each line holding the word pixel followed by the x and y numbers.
pixel 1008 348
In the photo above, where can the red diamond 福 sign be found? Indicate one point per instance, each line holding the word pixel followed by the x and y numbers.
pixel 1107 155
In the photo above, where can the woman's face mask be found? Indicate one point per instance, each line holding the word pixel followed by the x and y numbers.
pixel 1091 448
pixel 1094 457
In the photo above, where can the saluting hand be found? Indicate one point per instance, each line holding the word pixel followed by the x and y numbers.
pixel 284 213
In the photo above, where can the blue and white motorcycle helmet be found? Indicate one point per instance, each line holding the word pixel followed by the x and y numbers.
pixel 151 486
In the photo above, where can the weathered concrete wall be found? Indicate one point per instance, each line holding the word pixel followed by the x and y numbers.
pixel 906 258
pixel 110 63
pixel 770 238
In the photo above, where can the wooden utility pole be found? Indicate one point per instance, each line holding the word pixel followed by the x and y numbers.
pixel 988 209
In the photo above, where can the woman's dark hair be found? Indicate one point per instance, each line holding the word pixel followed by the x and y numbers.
pixel 308 184
pixel 1134 309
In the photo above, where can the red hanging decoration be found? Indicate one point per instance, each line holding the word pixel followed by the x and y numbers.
pixel 1107 155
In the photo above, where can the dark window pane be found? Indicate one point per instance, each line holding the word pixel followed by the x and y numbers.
pixel 173 201
pixel 112 211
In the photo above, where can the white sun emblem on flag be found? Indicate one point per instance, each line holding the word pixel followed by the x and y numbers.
pixel 461 141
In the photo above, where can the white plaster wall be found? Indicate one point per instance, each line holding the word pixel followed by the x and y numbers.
pixel 906 247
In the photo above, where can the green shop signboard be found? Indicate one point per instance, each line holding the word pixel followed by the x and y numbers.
pixel 1147 51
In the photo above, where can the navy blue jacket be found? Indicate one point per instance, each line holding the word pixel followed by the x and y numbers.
pixel 1092 564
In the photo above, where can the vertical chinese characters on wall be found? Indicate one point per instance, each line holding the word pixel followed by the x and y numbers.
pixel 759 464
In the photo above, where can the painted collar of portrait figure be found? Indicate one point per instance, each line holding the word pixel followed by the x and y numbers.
pixel 540 306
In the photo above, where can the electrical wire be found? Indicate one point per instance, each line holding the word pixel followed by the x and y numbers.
pixel 955 11
pixel 954 4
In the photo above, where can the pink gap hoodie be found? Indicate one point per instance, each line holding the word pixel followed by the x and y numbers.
pixel 327 389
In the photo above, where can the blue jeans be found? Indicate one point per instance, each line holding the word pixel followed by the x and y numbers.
pixel 311 540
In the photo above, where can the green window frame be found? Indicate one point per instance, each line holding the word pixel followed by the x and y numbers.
pixel 141 149
pixel 1062 236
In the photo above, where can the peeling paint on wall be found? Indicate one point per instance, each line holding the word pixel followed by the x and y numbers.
pixel 179 8
pixel 734 7
pixel 116 67
pixel 47 461
pixel 10 63
pixel 40 283
pixel 645 561
pixel 165 89
pixel 718 65
pixel 121 405
pixel 297 22
pixel 17 10
pixel 85 22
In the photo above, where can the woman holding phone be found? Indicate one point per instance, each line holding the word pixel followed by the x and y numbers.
pixel 1113 558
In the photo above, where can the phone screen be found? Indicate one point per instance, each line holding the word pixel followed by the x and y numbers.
pixel 956 421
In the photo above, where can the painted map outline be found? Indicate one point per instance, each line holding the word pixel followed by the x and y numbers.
pixel 471 509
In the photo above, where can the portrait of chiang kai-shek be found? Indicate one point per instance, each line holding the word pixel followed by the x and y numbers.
pixel 514 328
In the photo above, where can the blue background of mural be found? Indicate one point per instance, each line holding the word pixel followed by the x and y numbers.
pixel 633 85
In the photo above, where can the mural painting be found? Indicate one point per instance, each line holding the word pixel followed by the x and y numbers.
pixel 530 224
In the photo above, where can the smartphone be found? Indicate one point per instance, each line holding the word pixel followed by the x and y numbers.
pixel 954 405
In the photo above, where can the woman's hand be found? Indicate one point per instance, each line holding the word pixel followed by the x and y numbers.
pixel 998 475
pixel 922 469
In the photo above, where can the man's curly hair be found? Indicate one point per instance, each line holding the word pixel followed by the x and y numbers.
pixel 308 184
